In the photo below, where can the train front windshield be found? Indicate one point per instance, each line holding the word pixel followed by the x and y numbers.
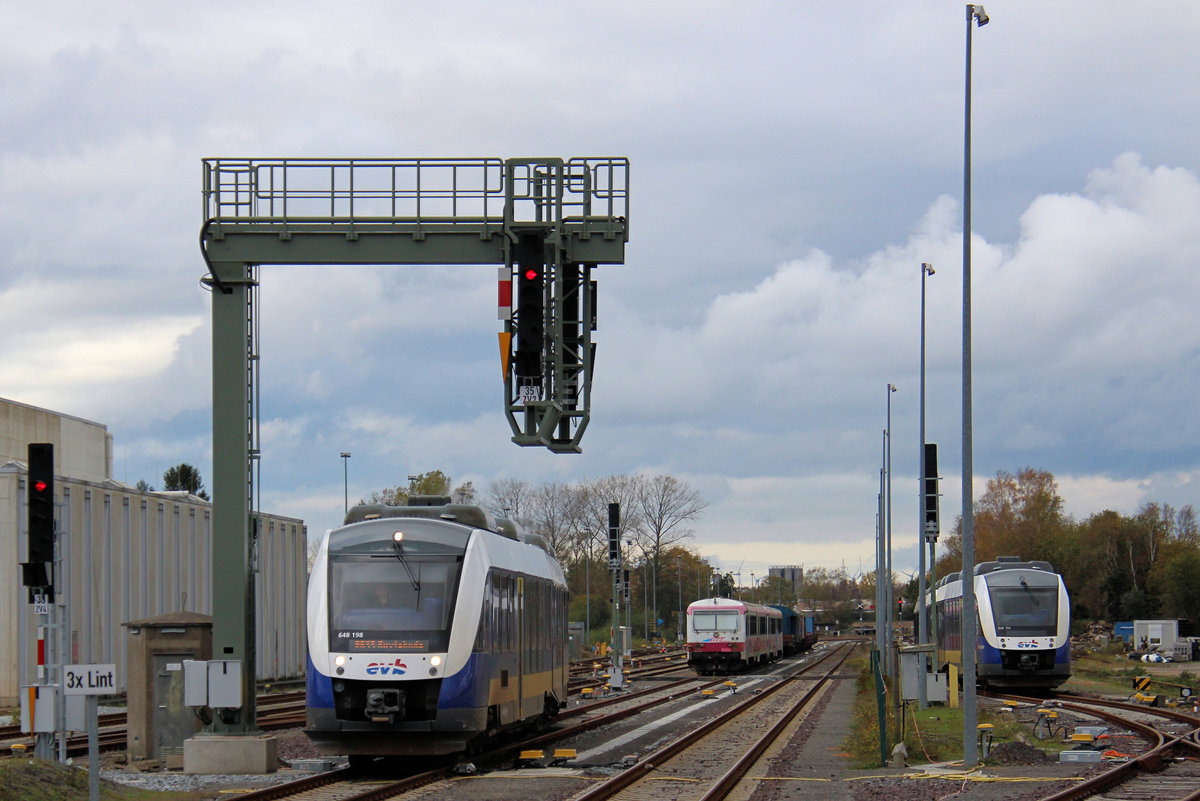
pixel 1025 610
pixel 386 598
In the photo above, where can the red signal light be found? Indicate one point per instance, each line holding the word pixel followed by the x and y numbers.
pixel 39 486
pixel 531 274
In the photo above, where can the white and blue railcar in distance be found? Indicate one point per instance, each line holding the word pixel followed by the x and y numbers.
pixel 431 628
pixel 1023 624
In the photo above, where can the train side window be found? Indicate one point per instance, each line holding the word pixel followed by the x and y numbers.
pixel 526 590
pixel 502 595
pixel 543 624
pixel 493 607
pixel 485 618
pixel 502 622
pixel 511 592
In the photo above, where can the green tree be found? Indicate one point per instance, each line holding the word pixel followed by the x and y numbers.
pixel 464 493
pixel 1178 587
pixel 184 477
pixel 435 482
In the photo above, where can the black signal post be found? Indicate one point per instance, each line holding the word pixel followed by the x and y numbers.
pixel 38 571
pixel 531 306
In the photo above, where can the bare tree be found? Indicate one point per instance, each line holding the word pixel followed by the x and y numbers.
pixel 598 494
pixel 665 503
pixel 509 497
pixel 553 512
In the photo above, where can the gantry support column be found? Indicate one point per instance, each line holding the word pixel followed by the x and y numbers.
pixel 233 546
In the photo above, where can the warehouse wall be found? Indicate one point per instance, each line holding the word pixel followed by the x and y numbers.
pixel 132 555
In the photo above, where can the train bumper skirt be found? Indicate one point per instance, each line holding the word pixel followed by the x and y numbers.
pixel 450 733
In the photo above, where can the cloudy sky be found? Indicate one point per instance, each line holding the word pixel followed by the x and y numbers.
pixel 793 163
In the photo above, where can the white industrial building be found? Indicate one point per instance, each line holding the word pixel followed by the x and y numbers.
pixel 129 555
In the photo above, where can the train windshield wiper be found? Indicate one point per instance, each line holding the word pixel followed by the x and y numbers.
pixel 398 548
pixel 1029 592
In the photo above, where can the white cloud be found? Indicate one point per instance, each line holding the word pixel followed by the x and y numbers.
pixel 785 195
pixel 71 345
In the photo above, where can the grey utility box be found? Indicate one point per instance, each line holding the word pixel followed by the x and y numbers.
pixel 910 675
pixel 216 684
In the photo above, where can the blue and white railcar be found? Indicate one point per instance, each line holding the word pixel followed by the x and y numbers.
pixel 1023 624
pixel 430 629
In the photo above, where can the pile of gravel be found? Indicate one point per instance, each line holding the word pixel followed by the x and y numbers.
pixel 1017 753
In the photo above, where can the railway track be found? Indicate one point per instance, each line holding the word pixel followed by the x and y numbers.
pixel 1167 770
pixel 285 710
pixel 694 766
pixel 349 785
pixel 275 711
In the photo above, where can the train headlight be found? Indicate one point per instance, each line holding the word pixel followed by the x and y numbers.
pixel 435 661
pixel 398 536
pixel 339 660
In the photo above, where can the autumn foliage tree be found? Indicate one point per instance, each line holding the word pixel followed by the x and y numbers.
pixel 1115 566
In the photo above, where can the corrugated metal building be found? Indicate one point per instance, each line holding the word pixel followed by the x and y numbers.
pixel 129 554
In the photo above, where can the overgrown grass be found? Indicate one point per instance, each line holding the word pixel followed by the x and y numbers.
pixel 1112 673
pixel 38 780
pixel 934 734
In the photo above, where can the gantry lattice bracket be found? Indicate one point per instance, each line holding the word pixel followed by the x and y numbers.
pixel 442 211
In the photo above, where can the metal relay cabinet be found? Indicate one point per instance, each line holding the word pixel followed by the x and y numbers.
pixel 158 720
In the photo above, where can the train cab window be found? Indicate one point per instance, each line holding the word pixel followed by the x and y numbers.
pixel 718 620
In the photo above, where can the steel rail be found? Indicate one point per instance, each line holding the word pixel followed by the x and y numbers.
pixel 732 777
pixel 1155 759
pixel 650 763
pixel 499 754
